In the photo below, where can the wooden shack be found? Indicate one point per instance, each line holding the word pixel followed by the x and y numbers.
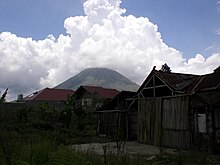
pixel 118 117
pixel 175 109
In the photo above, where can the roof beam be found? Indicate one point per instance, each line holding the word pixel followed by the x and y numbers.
pixel 158 86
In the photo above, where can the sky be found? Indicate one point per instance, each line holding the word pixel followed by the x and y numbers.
pixel 44 42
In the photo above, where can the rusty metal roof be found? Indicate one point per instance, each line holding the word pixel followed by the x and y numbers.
pixel 49 94
pixel 186 82
pixel 211 97
pixel 208 82
pixel 177 81
pixel 189 82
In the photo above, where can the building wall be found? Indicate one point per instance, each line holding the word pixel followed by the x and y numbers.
pixel 132 125
pixel 149 121
pixel 176 130
pixel 112 123
pixel 206 127
pixel 90 102
pixel 165 121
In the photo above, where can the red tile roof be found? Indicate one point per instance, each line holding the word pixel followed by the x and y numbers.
pixel 48 94
pixel 102 92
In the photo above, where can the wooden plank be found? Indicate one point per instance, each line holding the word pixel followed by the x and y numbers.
pixel 176 139
pixel 175 113
pixel 158 108
pixel 176 123
pixel 149 121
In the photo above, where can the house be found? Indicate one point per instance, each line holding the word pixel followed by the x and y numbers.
pixel 118 116
pixel 50 96
pixel 93 97
pixel 176 109
pixel 119 102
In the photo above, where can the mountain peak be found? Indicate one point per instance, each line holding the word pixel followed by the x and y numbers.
pixel 102 77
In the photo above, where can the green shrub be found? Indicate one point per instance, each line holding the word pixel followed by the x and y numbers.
pixel 20 162
pixel 43 125
pixel 67 156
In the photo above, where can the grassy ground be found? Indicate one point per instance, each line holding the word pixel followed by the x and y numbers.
pixel 71 157
pixel 40 138
pixel 41 149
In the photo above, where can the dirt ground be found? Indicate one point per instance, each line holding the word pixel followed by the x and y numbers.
pixel 130 147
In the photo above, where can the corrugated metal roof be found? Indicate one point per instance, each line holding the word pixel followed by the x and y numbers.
pixel 186 82
pixel 208 82
pixel 177 81
pixel 211 97
pixel 48 94
pixel 102 92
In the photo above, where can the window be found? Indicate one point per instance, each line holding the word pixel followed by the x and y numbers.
pixel 201 123
pixel 86 102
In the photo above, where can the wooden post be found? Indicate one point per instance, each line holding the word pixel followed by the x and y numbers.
pixel 106 117
pixel 213 123
pixel 127 131
pixel 98 123
pixel 154 91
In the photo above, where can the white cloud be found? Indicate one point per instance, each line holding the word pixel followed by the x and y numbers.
pixel 200 65
pixel 218 31
pixel 218 6
pixel 101 38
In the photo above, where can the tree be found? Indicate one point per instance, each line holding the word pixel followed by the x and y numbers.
pixel 2 99
pixel 67 112
pixel 165 68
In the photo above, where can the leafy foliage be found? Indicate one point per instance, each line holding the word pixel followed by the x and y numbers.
pixel 66 156
pixel 38 137
pixel 165 68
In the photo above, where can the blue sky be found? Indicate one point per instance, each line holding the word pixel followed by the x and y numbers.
pixel 37 19
pixel 189 26
pixel 99 33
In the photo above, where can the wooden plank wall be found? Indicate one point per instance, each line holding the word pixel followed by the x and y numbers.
pixel 132 125
pixel 149 121
pixel 158 122
pixel 175 122
pixel 111 122
pixel 143 117
pixel 164 121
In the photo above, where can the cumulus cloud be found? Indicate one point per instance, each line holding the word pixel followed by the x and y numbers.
pixel 218 31
pixel 101 38
pixel 218 6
